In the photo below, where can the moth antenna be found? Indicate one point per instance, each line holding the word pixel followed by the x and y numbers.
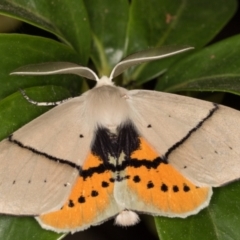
pixel 53 68
pixel 147 56
pixel 42 103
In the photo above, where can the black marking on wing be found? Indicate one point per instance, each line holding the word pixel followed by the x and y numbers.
pixel 144 162
pixel 107 144
pixel 94 193
pixel 150 185
pixel 70 203
pixel 164 187
pixel 136 179
pixel 179 143
pixel 101 168
pixel 127 140
pixel 186 188
pixel 105 184
pixel 59 160
pixel 175 188
pixel 81 199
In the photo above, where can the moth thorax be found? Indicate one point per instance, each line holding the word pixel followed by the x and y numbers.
pixel 107 106
pixel 126 218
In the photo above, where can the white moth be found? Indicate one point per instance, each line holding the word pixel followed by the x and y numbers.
pixel 113 152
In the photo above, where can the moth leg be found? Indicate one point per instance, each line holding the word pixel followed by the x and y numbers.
pixel 42 103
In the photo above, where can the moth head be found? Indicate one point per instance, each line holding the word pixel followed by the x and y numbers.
pixel 104 80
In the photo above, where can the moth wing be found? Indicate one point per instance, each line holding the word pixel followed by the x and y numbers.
pixel 150 185
pixel 200 139
pixel 40 162
pixel 91 201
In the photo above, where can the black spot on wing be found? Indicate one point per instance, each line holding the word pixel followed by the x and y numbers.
pixel 85 195
pixel 186 188
pixel 164 187
pixel 105 184
pixel 136 179
pixel 150 185
pixel 81 199
pixel 112 180
pixel 70 204
pixel 94 193
pixel 175 188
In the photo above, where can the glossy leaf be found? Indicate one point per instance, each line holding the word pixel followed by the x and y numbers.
pixel 19 228
pixel 68 20
pixel 173 22
pixel 19 50
pixel 215 68
pixel 108 21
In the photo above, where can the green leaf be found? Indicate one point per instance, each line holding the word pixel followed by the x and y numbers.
pixel 19 50
pixel 68 20
pixel 220 221
pixel 183 26
pixel 108 21
pixel 162 22
pixel 19 228
pixel 215 68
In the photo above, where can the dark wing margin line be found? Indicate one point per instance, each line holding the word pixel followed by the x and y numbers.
pixel 179 143
pixel 50 157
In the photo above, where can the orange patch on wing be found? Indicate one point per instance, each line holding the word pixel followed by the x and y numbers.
pixel 164 187
pixel 88 198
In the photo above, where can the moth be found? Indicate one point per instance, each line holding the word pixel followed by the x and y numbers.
pixel 114 153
